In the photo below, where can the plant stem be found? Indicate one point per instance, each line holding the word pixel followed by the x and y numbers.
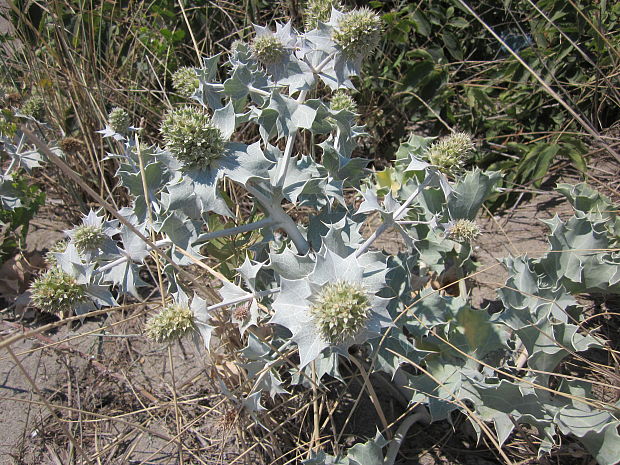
pixel 281 219
pixel 420 414
pixel 236 230
pixel 243 298
pixel 288 150
pixel 385 225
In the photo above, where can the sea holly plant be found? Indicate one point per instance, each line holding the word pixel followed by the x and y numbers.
pixel 314 294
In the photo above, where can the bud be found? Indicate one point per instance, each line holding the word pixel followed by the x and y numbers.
pixel 464 231
pixel 172 323
pixel 268 49
pixel 342 101
pixel 119 120
pixel 449 152
pixel 71 145
pixel 33 106
pixel 358 33
pixel 88 237
pixel 58 247
pixel 319 10
pixel 185 81
pixel 192 138
pixel 57 292
pixel 340 311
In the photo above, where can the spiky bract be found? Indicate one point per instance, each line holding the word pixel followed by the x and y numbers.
pixel 464 231
pixel 358 33
pixel 340 311
pixel 119 120
pixel 268 49
pixel 57 292
pixel 319 10
pixel 88 238
pixel 342 101
pixel 58 247
pixel 185 81
pixel 448 154
pixel 172 323
pixel 192 138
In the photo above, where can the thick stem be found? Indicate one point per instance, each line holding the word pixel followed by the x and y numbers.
pixel 243 298
pixel 288 150
pixel 420 414
pixel 119 261
pixel 281 219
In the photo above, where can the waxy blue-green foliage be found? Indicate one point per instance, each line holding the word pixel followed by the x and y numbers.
pixel 456 355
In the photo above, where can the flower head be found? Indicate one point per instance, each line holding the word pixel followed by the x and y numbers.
pixel 340 311
pixel 358 32
pixel 88 237
pixel 464 231
pixel 319 10
pixel 449 152
pixel 343 101
pixel 185 81
pixel 71 145
pixel 192 138
pixel 268 49
pixel 57 292
pixel 33 106
pixel 173 322
pixel 119 120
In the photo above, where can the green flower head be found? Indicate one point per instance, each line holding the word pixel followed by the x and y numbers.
pixel 342 101
pixel 34 106
pixel 119 120
pixel 319 10
pixel 340 311
pixel 268 49
pixel 57 292
pixel 358 33
pixel 192 138
pixel 172 323
pixel 88 237
pixel 449 153
pixel 185 81
pixel 464 231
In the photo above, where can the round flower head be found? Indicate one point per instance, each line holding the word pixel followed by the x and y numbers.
pixel 358 32
pixel 343 101
pixel 340 311
pixel 185 81
pixel 464 231
pixel 88 237
pixel 57 292
pixel 449 152
pixel 172 323
pixel 58 247
pixel 34 107
pixel 319 10
pixel 268 49
pixel 71 145
pixel 119 120
pixel 192 138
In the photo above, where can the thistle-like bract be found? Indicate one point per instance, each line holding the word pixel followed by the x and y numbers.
pixel 319 10
pixel 119 120
pixel 58 247
pixel 340 311
pixel 343 101
pixel 449 152
pixel 173 322
pixel 185 81
pixel 358 33
pixel 192 138
pixel 268 49
pixel 464 231
pixel 88 238
pixel 57 292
